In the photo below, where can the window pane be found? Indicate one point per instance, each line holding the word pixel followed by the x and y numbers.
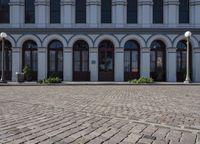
pixel 80 11
pixel 132 11
pixel 54 11
pixel 127 61
pixel 178 61
pixel 52 59
pixel 29 11
pixel 184 11
pixel 4 11
pixel 60 61
pixel 157 11
pixel 152 59
pixel 84 60
pixel 106 11
pixel 34 60
pixel 134 61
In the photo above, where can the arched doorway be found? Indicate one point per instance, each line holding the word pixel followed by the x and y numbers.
pixel 158 61
pixel 7 60
pixel 106 61
pixel 55 59
pixel 131 60
pixel 30 58
pixel 181 57
pixel 81 61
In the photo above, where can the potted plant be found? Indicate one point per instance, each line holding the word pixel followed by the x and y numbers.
pixel 27 72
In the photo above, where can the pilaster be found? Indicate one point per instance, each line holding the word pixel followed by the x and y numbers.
pixel 171 65
pixel 16 13
pixel 67 12
pixel 196 67
pixel 119 64
pixel 145 62
pixel 93 12
pixel 119 12
pixel 42 12
pixel 171 8
pixel 195 12
pixel 93 64
pixel 16 62
pixel 145 10
pixel 42 63
pixel 67 68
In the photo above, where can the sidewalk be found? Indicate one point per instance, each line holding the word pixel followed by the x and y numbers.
pixel 93 83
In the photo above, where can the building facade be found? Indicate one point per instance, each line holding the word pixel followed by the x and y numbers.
pixel 101 40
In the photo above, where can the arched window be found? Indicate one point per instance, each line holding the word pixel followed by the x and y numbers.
pixel 184 11
pixel 106 61
pixel 157 11
pixel 55 59
pixel 131 60
pixel 7 59
pixel 4 11
pixel 181 56
pixel 158 60
pixel 29 11
pixel 132 8
pixel 81 61
pixel 54 11
pixel 80 11
pixel 106 11
pixel 30 58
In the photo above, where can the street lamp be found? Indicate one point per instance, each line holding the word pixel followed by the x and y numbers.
pixel 3 35
pixel 188 34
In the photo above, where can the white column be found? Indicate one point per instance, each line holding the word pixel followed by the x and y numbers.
pixel 16 13
pixel 171 64
pixel 42 13
pixel 67 68
pixel 119 15
pixel 42 63
pixel 16 62
pixel 119 64
pixel 93 12
pixel 68 12
pixel 196 67
pixel 195 12
pixel 93 64
pixel 145 12
pixel 145 62
pixel 171 8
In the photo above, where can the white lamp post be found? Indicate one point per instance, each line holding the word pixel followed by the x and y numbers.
pixel 3 35
pixel 188 34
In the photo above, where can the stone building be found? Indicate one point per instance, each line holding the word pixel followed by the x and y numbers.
pixel 101 40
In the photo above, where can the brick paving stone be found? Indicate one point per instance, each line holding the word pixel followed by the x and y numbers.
pixel 133 138
pixel 161 133
pixel 100 114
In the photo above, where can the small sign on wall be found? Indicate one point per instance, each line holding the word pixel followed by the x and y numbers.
pixel 93 62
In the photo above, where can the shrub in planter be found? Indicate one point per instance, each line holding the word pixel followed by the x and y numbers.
pixel 50 80
pixel 27 72
pixel 141 80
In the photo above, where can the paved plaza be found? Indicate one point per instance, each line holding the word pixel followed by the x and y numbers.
pixel 97 114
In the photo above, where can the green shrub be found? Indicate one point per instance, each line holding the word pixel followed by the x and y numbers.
pixel 51 79
pixel 141 80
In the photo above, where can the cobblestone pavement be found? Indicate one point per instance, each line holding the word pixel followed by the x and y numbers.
pixel 100 114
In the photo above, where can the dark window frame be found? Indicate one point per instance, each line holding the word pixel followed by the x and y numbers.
pixel 158 8
pixel 31 47
pixel 184 11
pixel 132 11
pixel 56 46
pixel 80 11
pixel 4 11
pixel 106 11
pixel 55 11
pixel 29 16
